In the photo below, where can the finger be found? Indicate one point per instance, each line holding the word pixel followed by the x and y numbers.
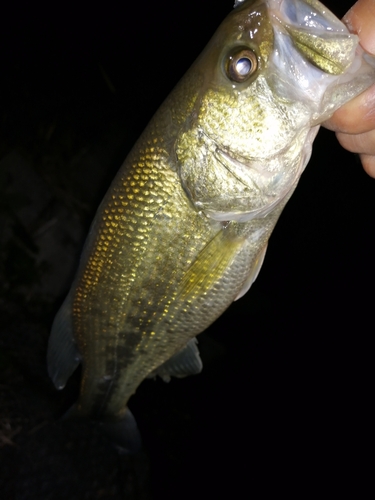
pixel 360 20
pixel 359 143
pixel 368 163
pixel 356 116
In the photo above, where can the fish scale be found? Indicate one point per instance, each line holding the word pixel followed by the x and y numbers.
pixel 183 229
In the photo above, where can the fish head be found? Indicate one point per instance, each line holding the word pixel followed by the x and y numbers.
pixel 273 71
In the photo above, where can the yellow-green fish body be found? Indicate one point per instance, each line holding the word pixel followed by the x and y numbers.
pixel 183 229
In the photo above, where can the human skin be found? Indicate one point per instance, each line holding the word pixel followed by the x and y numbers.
pixel 354 123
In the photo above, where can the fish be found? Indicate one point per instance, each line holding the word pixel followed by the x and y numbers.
pixel 183 229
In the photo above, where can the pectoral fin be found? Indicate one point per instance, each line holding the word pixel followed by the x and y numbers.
pixel 185 362
pixel 62 356
pixel 209 265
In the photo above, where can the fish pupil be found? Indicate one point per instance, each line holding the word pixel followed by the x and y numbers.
pixel 244 66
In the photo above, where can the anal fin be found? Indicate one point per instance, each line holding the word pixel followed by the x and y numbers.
pixel 183 363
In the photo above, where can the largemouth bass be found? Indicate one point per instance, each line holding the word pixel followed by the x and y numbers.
pixel 183 230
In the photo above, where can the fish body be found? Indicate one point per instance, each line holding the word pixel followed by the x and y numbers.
pixel 183 229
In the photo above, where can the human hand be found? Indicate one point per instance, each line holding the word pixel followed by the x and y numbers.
pixel 354 123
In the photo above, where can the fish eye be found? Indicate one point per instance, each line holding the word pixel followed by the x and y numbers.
pixel 241 64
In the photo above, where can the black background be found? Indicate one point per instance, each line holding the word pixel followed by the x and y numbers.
pixel 283 400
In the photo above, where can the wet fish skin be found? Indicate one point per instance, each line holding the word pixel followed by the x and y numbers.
pixel 183 229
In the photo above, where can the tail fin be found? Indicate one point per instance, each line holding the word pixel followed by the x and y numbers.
pixel 123 434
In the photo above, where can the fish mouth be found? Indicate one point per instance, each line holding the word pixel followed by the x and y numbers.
pixel 305 31
pixel 319 60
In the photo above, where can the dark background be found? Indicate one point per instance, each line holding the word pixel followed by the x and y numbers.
pixel 283 397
